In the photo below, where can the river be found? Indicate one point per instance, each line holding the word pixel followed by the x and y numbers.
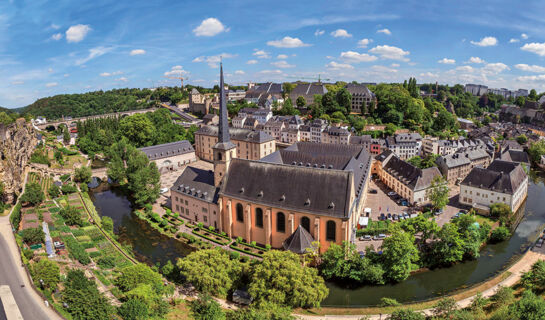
pixel 150 246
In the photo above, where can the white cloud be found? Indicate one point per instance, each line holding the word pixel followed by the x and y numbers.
pixel 51 84
pixel 55 26
pixel 282 56
pixel 287 42
pixel 341 33
pixel 251 61
pixel 209 27
pixel 177 71
pixel 261 54
pixel 50 70
pixel 486 42
pixel 383 69
pixel 364 42
pixel 533 68
pixel 538 78
pixel 93 53
pixel 240 72
pixel 535 47
pixel 447 61
pixel 109 74
pixel 524 36
pixel 77 33
pixel 66 75
pixel 271 71
pixel 282 64
pixel 213 61
pixel 353 56
pixel 16 83
pixel 122 79
pixel 390 52
pixel 394 65
pixel 57 36
pixel 429 75
pixel 495 68
pixel 465 69
pixel 338 66
pixel 475 60
pixel 385 31
pixel 137 52
pixel 513 40
pixel 319 32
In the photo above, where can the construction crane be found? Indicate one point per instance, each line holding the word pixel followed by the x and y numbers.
pixel 310 78
pixel 178 78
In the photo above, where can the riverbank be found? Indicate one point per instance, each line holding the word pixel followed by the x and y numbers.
pixel 507 278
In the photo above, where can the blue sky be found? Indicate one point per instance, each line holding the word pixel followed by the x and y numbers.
pixel 62 46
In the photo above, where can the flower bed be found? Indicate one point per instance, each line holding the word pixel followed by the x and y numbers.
pixel 212 236
pixel 247 249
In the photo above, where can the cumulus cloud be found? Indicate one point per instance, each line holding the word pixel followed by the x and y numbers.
pixel 282 56
pixel 429 75
pixel 447 61
pixel 319 32
pixel 535 47
pixel 209 27
pixel 109 74
pixel 77 33
pixel 385 31
pixel 464 69
pixel 287 42
pixel 524 36
pixel 390 52
pixel 475 60
pixel 122 79
pixel 271 71
pixel 338 66
pixel 57 36
pixel 341 33
pixel 363 43
pixel 93 53
pixel 253 61
pixel 137 52
pixel 495 68
pixel 51 84
pixel 513 40
pixel 538 78
pixel 383 69
pixel 213 61
pixel 395 65
pixel 261 54
pixel 282 64
pixel 486 42
pixel 532 68
pixel 353 56
pixel 18 82
pixel 175 71
pixel 240 72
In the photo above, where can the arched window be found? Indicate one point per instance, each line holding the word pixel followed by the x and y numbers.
pixel 330 231
pixel 305 222
pixel 259 217
pixel 280 222
pixel 240 213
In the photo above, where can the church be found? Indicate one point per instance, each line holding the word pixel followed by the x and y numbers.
pixel 306 192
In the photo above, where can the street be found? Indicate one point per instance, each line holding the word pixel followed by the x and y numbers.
pixel 13 274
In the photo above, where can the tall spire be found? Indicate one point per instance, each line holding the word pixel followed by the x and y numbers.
pixel 223 132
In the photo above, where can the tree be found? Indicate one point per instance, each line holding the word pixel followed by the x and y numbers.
pixel 71 216
pixel 344 99
pixel 529 307
pixel 83 298
pixel 503 296
pixel 33 194
pixel 133 276
pixel 500 234
pixel 535 278
pixel 537 150
pixel 444 307
pixel 438 193
pixel 206 308
pixel 211 271
pixel 280 278
pixel 406 314
pixel 54 191
pixel 532 96
pixel 143 179
pixel 300 102
pixel 66 135
pixel 107 224
pixel 134 309
pixel 522 139
pixel 138 129
pixel 83 174
pixel 265 311
pixel 399 254
pixel 33 235
pixel 48 271
pixel 500 210
pixel 450 247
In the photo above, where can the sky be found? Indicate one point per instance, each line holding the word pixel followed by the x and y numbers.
pixel 69 46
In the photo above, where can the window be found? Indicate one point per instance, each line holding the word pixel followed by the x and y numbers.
pixel 205 219
pixel 177 208
pixel 240 213
pixel 259 217
pixel 204 210
pixel 305 222
pixel 280 222
pixel 331 231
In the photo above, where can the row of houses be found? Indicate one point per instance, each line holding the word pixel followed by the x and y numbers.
pixel 479 90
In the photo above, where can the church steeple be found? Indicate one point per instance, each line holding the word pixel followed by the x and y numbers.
pixel 224 149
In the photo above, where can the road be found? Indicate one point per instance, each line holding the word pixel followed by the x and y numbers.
pixel 13 274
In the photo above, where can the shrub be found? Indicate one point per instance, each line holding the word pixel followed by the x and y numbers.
pixel 33 235
pixel 106 262
pixel 500 234
pixel 388 302
pixel 68 188
pixel 76 250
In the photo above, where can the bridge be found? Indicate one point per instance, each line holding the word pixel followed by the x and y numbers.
pixel 68 121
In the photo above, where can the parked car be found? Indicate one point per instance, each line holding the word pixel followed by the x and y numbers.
pixel 401 217
pixel 391 194
pixel 163 190
pixel 405 215
pixel 404 202
pixel 380 236
pixel 373 191
pixel 539 243
pixel 365 238
pixel 382 216
pixel 395 217
pixel 438 212
pixel 362 254
pixel 396 197
pixel 389 215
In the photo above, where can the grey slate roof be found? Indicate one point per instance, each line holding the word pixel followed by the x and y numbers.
pixel 166 150
pixel 411 176
pixel 197 183
pixel 515 156
pixel 463 157
pixel 299 240
pixel 359 89
pixel 500 176
pixel 309 89
pixel 237 134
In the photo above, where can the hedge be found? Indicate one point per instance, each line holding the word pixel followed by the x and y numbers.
pixel 194 231
pixel 234 247
pixel 15 217
pixel 76 250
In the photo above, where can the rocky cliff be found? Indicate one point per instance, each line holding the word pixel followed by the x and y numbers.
pixel 17 142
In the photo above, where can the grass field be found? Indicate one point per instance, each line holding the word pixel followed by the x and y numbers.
pixel 44 182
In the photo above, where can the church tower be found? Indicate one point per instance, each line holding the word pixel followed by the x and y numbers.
pixel 224 150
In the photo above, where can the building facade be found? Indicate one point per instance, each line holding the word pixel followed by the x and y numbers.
pixel 170 156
